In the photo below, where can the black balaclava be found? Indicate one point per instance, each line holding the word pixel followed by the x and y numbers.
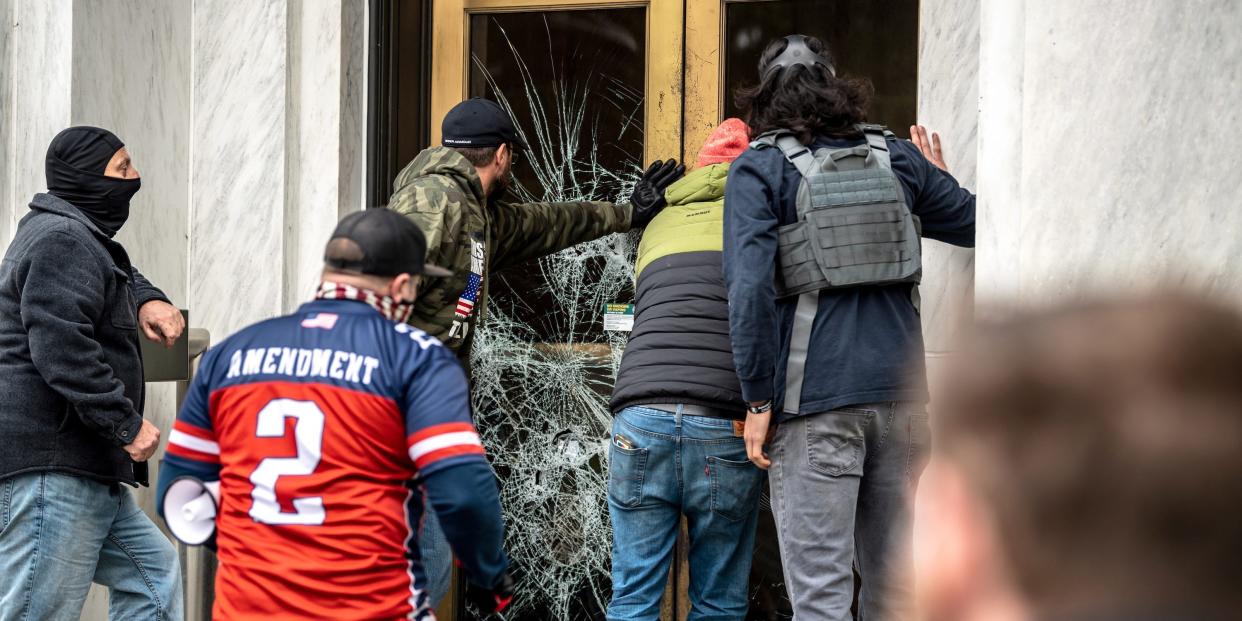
pixel 76 161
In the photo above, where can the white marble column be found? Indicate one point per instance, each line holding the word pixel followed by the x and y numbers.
pixel 949 105
pixel 8 18
pixel 39 76
pixel 1001 65
pixel 277 151
pixel 139 87
pixel 325 126
pixel 237 162
pixel 1107 144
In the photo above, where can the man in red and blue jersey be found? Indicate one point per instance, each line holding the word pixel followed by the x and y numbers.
pixel 326 435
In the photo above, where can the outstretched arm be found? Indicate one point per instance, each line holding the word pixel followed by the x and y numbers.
pixel 523 231
pixel 526 231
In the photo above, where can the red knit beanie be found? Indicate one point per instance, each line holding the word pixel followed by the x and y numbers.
pixel 725 144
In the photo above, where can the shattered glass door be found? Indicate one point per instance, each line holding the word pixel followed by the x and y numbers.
pixel 543 367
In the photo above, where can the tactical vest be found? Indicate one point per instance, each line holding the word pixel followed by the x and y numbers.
pixel 854 226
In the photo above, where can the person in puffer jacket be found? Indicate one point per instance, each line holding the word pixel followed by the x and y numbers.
pixel 677 443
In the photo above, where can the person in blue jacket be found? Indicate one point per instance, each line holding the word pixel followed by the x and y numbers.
pixel 848 446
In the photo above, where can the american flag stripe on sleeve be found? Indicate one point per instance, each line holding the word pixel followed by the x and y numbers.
pixel 438 442
pixel 193 443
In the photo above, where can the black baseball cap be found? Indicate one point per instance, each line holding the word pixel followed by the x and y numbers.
pixel 478 122
pixel 388 244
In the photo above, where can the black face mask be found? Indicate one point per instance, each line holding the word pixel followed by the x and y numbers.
pixel 75 163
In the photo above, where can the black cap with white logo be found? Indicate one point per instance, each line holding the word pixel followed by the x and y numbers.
pixel 387 244
pixel 479 123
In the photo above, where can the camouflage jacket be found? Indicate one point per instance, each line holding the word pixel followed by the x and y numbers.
pixel 474 237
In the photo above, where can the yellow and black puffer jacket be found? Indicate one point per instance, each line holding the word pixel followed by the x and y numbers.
pixel 679 350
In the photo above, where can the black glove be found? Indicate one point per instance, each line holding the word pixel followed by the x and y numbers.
pixel 493 600
pixel 648 196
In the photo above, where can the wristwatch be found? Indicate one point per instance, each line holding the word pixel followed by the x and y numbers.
pixel 762 408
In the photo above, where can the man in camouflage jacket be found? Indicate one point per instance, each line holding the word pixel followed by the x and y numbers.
pixel 451 193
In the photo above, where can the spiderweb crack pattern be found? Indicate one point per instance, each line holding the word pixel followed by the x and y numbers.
pixel 542 408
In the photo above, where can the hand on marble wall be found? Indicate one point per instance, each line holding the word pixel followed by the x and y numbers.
pixel 930 148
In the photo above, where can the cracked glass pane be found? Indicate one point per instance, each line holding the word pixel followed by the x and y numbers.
pixel 543 367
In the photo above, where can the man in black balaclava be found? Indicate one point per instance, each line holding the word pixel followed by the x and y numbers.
pixel 76 167
pixel 71 397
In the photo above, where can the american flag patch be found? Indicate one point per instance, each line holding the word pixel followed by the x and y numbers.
pixel 465 304
pixel 325 321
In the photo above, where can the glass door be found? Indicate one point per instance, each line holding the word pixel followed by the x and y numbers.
pixel 645 46
pixel 724 39
pixel 595 89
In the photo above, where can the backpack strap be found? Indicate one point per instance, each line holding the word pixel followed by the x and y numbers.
pixel 877 138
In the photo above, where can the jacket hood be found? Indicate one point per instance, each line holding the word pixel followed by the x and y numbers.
pixel 61 207
pixel 701 185
pixel 445 162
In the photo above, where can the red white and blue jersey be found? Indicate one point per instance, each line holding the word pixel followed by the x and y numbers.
pixel 318 425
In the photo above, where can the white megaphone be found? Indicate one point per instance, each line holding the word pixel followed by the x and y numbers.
pixel 190 509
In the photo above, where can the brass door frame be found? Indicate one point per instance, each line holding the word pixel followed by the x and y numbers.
pixel 663 109
pixel 705 69
pixel 704 73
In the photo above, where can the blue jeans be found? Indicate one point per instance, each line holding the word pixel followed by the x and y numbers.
pixel 59 533
pixel 679 465
pixel 841 489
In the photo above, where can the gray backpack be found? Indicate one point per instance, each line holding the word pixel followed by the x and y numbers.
pixel 854 226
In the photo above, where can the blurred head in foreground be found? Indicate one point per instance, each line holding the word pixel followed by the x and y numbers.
pixel 1087 465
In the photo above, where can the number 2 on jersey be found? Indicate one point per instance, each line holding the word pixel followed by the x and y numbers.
pixel 308 434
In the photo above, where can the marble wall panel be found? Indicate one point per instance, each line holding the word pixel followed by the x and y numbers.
pixel 138 86
pixel 1130 172
pixel 1115 169
pixel 41 55
pixel 949 104
pixel 998 220
pixel 324 129
pixel 313 39
pixel 237 163
pixel 7 21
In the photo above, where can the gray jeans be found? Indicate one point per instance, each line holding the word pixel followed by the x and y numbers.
pixel 842 483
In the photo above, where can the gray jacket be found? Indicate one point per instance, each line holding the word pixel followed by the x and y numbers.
pixel 71 390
